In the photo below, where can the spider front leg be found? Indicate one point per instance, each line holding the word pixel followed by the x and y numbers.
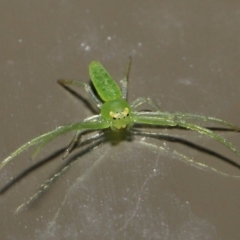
pixel 192 117
pixel 169 121
pixel 211 134
pixel 42 140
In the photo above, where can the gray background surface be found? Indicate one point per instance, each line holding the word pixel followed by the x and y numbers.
pixel 185 57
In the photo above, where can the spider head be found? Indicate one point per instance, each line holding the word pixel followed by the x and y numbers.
pixel 117 113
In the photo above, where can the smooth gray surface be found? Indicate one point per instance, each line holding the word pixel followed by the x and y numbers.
pixel 185 57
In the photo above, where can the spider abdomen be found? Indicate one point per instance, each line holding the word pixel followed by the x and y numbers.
pixel 105 86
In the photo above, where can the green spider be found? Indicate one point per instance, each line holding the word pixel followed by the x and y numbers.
pixel 116 113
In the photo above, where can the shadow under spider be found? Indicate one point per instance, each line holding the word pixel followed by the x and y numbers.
pixel 79 97
pixel 89 144
pixel 172 138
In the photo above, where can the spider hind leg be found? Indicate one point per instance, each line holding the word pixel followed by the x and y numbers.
pixel 96 101
pixel 139 101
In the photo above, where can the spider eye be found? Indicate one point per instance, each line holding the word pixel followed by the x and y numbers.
pixel 119 114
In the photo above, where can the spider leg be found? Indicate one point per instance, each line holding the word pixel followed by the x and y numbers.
pixel 72 144
pixel 184 116
pixel 49 136
pixel 187 116
pixel 77 135
pixel 141 100
pixel 88 89
pixel 45 186
pixel 170 121
pixel 211 134
pixel 124 81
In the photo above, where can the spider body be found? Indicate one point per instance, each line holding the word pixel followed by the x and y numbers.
pixel 115 110
pixel 116 113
